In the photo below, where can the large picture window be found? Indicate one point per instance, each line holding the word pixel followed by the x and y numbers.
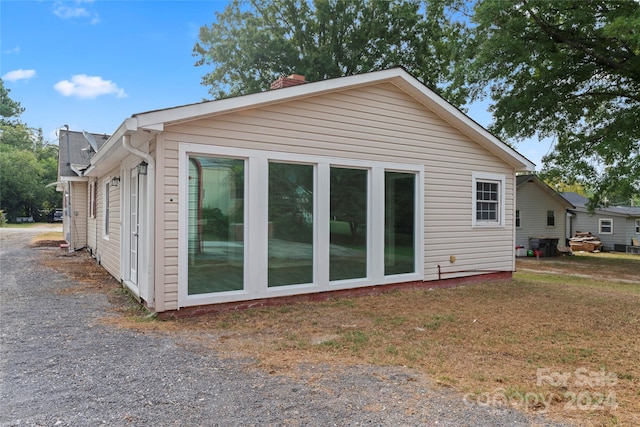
pixel 291 201
pixel 399 221
pixel 216 224
pixel 348 226
pixel 256 224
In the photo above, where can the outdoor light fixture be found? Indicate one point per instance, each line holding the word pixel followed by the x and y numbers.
pixel 115 181
pixel 142 168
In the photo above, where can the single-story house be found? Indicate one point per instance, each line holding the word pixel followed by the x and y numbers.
pixel 615 226
pixel 76 149
pixel 541 212
pixel 352 185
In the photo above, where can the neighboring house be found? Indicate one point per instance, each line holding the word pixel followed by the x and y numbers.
pixel 615 226
pixel 74 154
pixel 344 185
pixel 541 212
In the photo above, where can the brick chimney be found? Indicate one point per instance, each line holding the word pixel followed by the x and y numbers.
pixel 292 80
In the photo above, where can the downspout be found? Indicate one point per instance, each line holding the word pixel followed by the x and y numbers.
pixel 151 173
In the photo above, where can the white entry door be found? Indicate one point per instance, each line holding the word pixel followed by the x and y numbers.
pixel 134 221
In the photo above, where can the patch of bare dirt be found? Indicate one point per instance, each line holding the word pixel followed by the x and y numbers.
pixel 482 340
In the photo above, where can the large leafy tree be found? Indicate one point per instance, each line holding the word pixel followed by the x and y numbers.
pixel 569 70
pixel 27 164
pixel 253 42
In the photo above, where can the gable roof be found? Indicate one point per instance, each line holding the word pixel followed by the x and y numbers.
pixel 75 152
pixel 522 179
pixel 141 126
pixel 580 203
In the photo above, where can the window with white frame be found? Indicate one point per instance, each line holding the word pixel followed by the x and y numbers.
pixel 488 199
pixel 518 218
pixel 606 226
pixel 93 191
pixel 551 218
pixel 637 225
pixel 105 211
pixel 310 222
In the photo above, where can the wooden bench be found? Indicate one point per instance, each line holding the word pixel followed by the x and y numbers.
pixel 634 248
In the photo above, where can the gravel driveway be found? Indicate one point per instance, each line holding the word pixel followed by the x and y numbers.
pixel 61 367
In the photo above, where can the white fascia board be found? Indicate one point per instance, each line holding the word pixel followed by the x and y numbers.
pixel 463 123
pixel 155 120
pixel 78 169
pixel 101 158
pixel 555 194
pixel 227 105
pixel 73 179
pixel 546 188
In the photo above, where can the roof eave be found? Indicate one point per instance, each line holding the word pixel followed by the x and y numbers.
pixel 399 77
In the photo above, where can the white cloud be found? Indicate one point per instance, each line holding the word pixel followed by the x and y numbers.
pixel 83 86
pixel 15 75
pixel 13 50
pixel 62 11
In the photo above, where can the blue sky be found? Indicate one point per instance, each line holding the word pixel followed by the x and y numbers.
pixel 92 64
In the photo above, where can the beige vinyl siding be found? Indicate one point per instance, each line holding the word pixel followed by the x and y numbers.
pixel 167 225
pixel 533 203
pixel 377 123
pixel 78 224
pixel 108 249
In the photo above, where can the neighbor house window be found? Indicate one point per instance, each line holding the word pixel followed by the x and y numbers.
pixel 638 226
pixel 551 218
pixel 488 199
pixel 606 226
pixel 106 208
pixel 216 224
pixel 517 218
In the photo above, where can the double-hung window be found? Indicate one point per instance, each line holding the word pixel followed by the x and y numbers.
pixel 606 226
pixel 551 218
pixel 488 200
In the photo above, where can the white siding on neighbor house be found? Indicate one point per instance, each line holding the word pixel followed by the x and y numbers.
pixel 78 224
pixel 377 123
pixel 107 250
pixel 584 222
pixel 533 203
pixel 630 230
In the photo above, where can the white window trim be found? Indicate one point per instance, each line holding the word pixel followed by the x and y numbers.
pixel 517 215
pixel 637 226
pixel 501 180
pixel 256 190
pixel 554 218
pixel 600 226
pixel 93 191
pixel 106 207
